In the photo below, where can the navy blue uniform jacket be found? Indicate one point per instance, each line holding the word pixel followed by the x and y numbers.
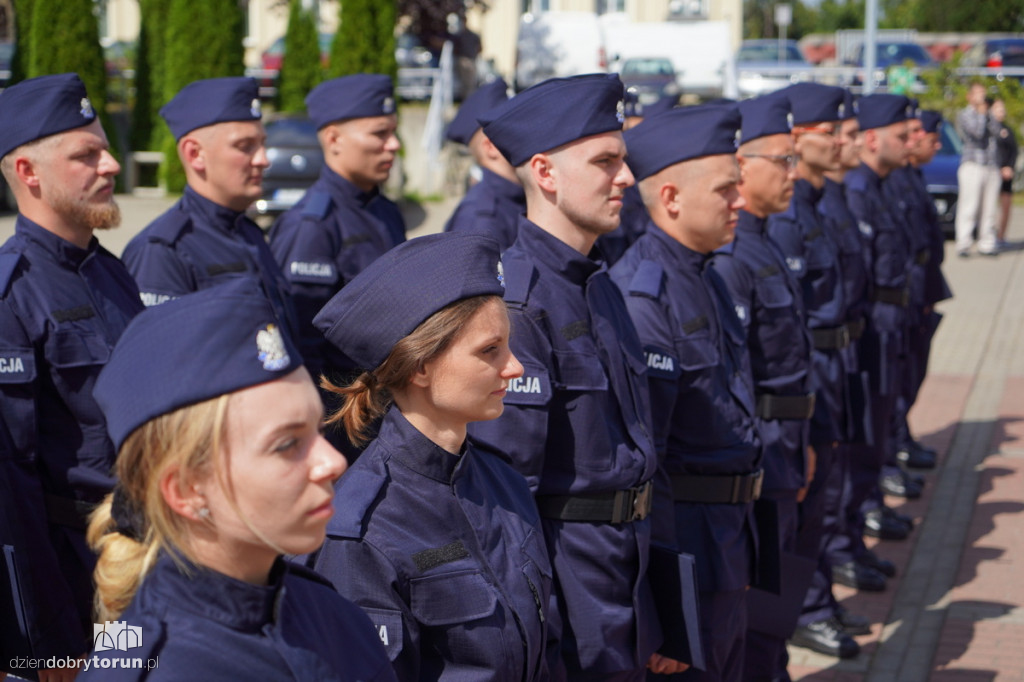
pixel 578 422
pixel 198 244
pixel 324 241
pixel 445 553
pixel 702 394
pixel 769 303
pixel 62 309
pixel 492 207
pixel 205 625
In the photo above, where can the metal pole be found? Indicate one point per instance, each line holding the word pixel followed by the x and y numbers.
pixel 870 41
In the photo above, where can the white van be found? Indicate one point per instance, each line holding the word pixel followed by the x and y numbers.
pixel 558 44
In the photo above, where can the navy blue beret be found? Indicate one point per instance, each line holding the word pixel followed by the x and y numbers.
pixel 213 100
pixel 387 301
pixel 555 112
pixel 930 120
pixel 40 107
pixel 192 349
pixel 359 96
pixel 483 99
pixel 765 115
pixel 878 111
pixel 850 107
pixel 815 102
pixel 679 135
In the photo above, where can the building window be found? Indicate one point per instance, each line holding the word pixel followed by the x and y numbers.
pixel 608 6
pixel 535 6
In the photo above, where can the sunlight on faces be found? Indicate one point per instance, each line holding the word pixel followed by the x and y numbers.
pixel 272 490
pixel 817 146
pixel 704 200
pixel 362 150
pixel 851 143
pixel 229 162
pixel 893 145
pixel 591 175
pixel 767 183
pixel 77 173
pixel 467 381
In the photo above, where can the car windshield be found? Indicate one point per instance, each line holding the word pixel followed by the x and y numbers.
pixel 769 52
pixel 897 53
pixel 291 132
pixel 647 67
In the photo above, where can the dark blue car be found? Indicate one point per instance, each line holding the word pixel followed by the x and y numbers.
pixel 940 176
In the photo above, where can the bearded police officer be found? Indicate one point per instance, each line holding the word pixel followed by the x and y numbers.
pixel 206 239
pixel 64 301
pixel 702 392
pixel 577 424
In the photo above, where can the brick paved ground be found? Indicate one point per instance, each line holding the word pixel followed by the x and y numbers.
pixel 956 611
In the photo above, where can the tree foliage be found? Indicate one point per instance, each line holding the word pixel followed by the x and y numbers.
pixel 149 74
pixel 203 40
pixel 22 39
pixel 428 19
pixel 75 47
pixel 759 20
pixel 300 68
pixel 365 41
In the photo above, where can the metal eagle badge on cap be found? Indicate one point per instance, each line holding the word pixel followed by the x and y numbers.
pixel 87 110
pixel 620 111
pixel 255 108
pixel 388 105
pixel 789 120
pixel 842 110
pixel 501 275
pixel 271 348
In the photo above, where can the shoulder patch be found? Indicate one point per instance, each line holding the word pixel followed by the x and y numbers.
pixel 168 227
pixel 647 280
pixel 317 205
pixel 8 263
pixel 356 491
pixel 533 388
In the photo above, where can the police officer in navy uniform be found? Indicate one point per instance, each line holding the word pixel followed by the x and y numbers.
pixel 64 301
pixel 770 303
pixel 929 284
pixel 577 424
pixel 343 223
pixel 218 477
pixel 698 367
pixel 493 205
pixel 823 518
pixel 438 540
pixel 883 122
pixel 206 239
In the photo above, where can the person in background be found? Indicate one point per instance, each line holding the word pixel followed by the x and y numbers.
pixel 1006 161
pixel 64 301
pixel 438 540
pixel 219 475
pixel 978 176
pixel 493 205
pixel 206 239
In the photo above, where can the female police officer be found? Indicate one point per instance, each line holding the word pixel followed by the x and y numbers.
pixel 222 469
pixel 437 540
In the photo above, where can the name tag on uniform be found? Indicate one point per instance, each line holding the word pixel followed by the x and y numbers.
pixel 151 298
pixel 533 388
pixel 661 363
pixel 388 624
pixel 310 271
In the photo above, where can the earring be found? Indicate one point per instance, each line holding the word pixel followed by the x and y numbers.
pixel 204 513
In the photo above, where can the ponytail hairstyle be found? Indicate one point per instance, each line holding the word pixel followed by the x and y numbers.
pixel 371 393
pixel 184 440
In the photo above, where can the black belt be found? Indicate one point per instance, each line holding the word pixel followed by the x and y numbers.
pixel 923 256
pixel 63 511
pixel 900 297
pixel 737 489
pixel 785 406
pixel 621 506
pixel 833 338
pixel 856 328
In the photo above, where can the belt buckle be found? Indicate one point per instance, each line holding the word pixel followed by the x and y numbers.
pixel 758 481
pixel 844 337
pixel 642 500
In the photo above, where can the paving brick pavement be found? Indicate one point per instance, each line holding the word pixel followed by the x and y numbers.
pixel 956 610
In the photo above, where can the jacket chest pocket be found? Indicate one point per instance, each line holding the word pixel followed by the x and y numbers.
pixel 69 349
pixel 452 598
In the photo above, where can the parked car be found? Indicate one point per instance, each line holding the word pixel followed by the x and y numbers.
pixel 273 57
pixel 761 68
pixel 890 54
pixel 652 78
pixel 295 162
pixel 6 59
pixel 940 177
pixel 996 53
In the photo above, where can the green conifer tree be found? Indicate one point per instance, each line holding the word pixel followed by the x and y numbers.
pixel 22 39
pixel 149 71
pixel 300 69
pixel 365 41
pixel 203 40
